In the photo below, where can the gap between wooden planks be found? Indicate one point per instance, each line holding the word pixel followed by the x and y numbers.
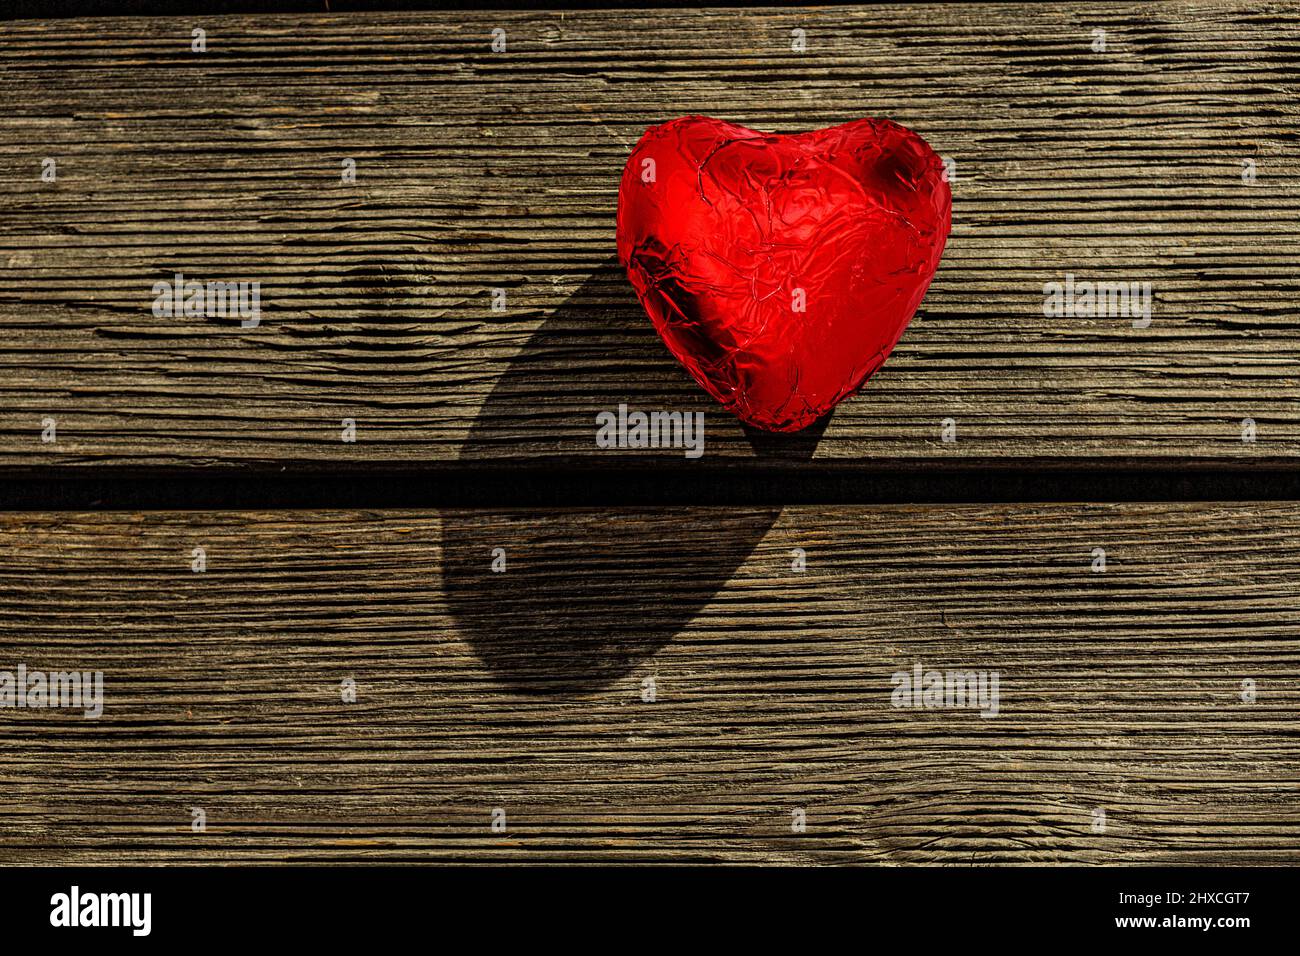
pixel 478 171
pixel 1121 691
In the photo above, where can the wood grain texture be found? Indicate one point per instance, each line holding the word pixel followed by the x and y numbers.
pixel 479 170
pixel 1120 690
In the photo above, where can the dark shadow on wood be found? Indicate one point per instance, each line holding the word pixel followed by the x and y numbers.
pixel 799 446
pixel 588 594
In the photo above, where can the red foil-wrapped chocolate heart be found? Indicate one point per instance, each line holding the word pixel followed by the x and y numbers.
pixel 781 270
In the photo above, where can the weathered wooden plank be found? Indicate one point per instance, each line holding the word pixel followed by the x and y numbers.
pixel 526 690
pixel 479 170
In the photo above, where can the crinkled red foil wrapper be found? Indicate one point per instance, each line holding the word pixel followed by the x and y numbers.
pixel 728 231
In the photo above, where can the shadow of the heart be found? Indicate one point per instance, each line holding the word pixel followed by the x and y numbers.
pixel 588 593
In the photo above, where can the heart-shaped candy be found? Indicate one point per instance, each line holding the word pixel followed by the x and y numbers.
pixel 781 270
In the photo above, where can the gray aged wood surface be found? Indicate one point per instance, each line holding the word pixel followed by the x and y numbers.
pixel 479 170
pixel 643 685
pixel 1123 691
